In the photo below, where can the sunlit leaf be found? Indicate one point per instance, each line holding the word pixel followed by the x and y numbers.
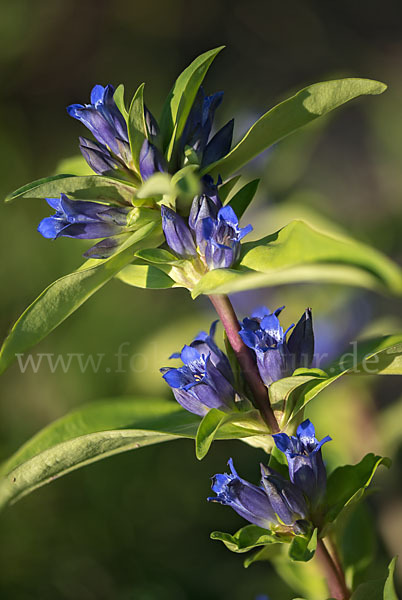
pixel 310 103
pixel 389 588
pixel 118 97
pixel 180 100
pixel 347 484
pixel 380 356
pixel 137 131
pixel 300 253
pixel 246 538
pixel 208 430
pixel 146 277
pixel 86 187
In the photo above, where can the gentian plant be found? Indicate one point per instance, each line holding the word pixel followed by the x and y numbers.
pixel 166 211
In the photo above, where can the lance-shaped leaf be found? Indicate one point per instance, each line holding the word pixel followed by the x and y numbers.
pixel 380 356
pixel 243 198
pixel 208 430
pixel 300 253
pixel 310 103
pixel 85 187
pixel 378 589
pixel 181 97
pixel 247 538
pixel 137 130
pixel 389 588
pixel 97 431
pixel 303 547
pixel 347 484
pixel 64 296
pixel 213 422
pixel 118 97
pixel 145 277
pixel 226 188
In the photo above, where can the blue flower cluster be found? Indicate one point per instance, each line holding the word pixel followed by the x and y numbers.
pixel 205 380
pixel 83 220
pixel 104 120
pixel 212 232
pixel 276 356
pixel 111 151
pixel 215 228
pixel 278 503
pixel 198 127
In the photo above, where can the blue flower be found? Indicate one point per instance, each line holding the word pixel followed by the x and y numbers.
pixel 306 466
pixel 84 220
pixel 177 233
pixel 301 341
pixel 205 379
pixel 151 160
pixel 198 128
pixel 98 157
pixel 286 499
pixel 272 505
pixel 106 123
pixel 248 500
pixel 276 356
pixel 205 344
pixel 207 204
pixel 220 239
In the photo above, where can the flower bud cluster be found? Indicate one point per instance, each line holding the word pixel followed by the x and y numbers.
pixel 278 503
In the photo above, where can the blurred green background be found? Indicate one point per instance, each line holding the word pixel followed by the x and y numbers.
pixel 136 526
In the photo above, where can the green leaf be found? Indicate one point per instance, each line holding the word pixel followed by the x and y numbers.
pixel 227 187
pixel 303 547
pixel 91 433
pixel 158 184
pixel 347 484
pixel 247 538
pixel 157 256
pixel 137 130
pixel 278 462
pixel 356 539
pixel 76 165
pixel 87 187
pixel 371 590
pixel 379 588
pixel 389 588
pixel 97 431
pixel 381 356
pixel 303 578
pixel 243 198
pixel 118 97
pixel 146 277
pixel 180 100
pixel 186 184
pixel 298 253
pixel 266 553
pixel 66 295
pixel 310 103
pixel 207 431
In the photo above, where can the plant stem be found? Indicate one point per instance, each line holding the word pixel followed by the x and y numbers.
pixel 333 573
pixel 246 360
pixel 335 554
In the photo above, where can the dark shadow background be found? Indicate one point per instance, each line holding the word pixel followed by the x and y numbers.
pixel 136 527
